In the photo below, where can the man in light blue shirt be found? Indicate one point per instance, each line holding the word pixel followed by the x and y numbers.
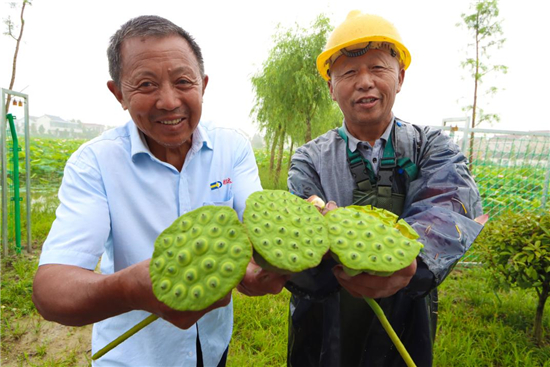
pixel 122 189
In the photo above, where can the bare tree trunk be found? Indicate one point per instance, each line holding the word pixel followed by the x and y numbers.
pixel 13 68
pixel 290 154
pixel 474 107
pixel 273 146
pixel 543 296
pixel 280 157
pixel 308 130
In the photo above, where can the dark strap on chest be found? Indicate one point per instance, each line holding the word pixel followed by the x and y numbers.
pixel 378 188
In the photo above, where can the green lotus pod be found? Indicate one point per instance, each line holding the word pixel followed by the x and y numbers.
pixel 366 239
pixel 200 258
pixel 389 218
pixel 288 234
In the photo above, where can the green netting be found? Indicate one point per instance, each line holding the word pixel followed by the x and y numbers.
pixel 512 171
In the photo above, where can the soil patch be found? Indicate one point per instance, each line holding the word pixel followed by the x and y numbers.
pixel 42 342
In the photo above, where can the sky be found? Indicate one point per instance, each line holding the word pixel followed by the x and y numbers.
pixel 62 63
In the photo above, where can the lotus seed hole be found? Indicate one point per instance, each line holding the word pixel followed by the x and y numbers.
pixel 197 292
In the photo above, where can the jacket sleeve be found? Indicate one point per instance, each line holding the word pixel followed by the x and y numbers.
pixel 441 205
pixel 303 179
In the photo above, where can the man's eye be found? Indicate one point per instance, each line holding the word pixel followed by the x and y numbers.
pixel 184 82
pixel 146 85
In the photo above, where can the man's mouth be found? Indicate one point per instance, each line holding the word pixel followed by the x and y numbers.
pixel 171 122
pixel 366 100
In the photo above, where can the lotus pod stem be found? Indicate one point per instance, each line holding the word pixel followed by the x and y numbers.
pixel 376 241
pixel 389 330
pixel 124 336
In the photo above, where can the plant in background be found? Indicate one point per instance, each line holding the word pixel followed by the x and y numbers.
pixel 516 247
pixel 485 28
pixel 11 29
pixel 291 100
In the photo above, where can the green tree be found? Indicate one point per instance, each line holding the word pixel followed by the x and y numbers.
pixel 516 246
pixel 11 29
pixel 292 102
pixel 484 26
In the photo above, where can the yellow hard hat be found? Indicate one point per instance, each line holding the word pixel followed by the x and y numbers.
pixel 360 28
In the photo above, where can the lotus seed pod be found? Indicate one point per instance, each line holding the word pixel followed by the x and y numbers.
pixel 200 258
pixel 289 236
pixel 366 239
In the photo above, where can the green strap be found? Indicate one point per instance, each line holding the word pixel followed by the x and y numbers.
pixel 388 160
pixel 364 177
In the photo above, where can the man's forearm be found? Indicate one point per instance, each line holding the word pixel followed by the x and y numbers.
pixel 74 296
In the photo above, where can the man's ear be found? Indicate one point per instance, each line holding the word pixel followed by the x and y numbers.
pixel 117 93
pixel 204 83
pixel 329 83
pixel 400 80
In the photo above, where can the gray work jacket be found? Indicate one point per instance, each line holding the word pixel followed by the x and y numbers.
pixel 440 204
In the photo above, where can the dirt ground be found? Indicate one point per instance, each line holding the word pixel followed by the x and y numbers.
pixel 47 344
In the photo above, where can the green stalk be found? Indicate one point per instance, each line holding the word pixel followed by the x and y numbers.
pixel 124 336
pixel 389 330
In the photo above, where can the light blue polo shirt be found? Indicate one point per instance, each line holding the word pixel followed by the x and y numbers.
pixel 116 198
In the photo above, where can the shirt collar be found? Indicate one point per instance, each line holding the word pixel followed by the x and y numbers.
pixel 353 141
pixel 139 144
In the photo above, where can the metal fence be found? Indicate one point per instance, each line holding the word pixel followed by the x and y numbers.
pixel 511 168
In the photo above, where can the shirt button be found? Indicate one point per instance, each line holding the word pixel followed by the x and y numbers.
pixel 375 160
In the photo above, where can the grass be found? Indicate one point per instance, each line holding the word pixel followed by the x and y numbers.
pixel 259 331
pixel 478 327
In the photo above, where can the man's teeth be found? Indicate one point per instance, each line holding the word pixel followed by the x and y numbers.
pixel 367 100
pixel 170 122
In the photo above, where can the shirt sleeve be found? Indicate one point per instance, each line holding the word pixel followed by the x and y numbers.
pixel 246 176
pixel 441 205
pixel 82 225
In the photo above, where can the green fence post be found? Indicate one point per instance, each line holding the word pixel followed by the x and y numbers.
pixel 15 178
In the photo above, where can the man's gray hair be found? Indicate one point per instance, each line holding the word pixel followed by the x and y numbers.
pixel 146 26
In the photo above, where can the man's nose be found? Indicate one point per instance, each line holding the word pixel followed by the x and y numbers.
pixel 168 99
pixel 364 80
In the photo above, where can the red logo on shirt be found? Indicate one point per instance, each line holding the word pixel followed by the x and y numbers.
pixel 227 181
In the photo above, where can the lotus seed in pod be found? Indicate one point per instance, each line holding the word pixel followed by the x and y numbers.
pixel 288 234
pixel 200 258
pixel 367 239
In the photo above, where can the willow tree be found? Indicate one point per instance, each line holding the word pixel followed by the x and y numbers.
pixel 485 28
pixel 292 102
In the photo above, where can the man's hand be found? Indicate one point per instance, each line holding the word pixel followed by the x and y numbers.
pixel 259 282
pixel 320 204
pixel 140 295
pixel 74 296
pixel 372 286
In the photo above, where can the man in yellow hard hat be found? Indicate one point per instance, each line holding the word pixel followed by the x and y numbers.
pixel 377 159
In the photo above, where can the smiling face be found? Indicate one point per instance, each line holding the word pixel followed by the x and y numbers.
pixel 365 88
pixel 162 88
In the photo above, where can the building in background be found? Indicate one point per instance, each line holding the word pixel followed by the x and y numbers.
pixel 56 127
